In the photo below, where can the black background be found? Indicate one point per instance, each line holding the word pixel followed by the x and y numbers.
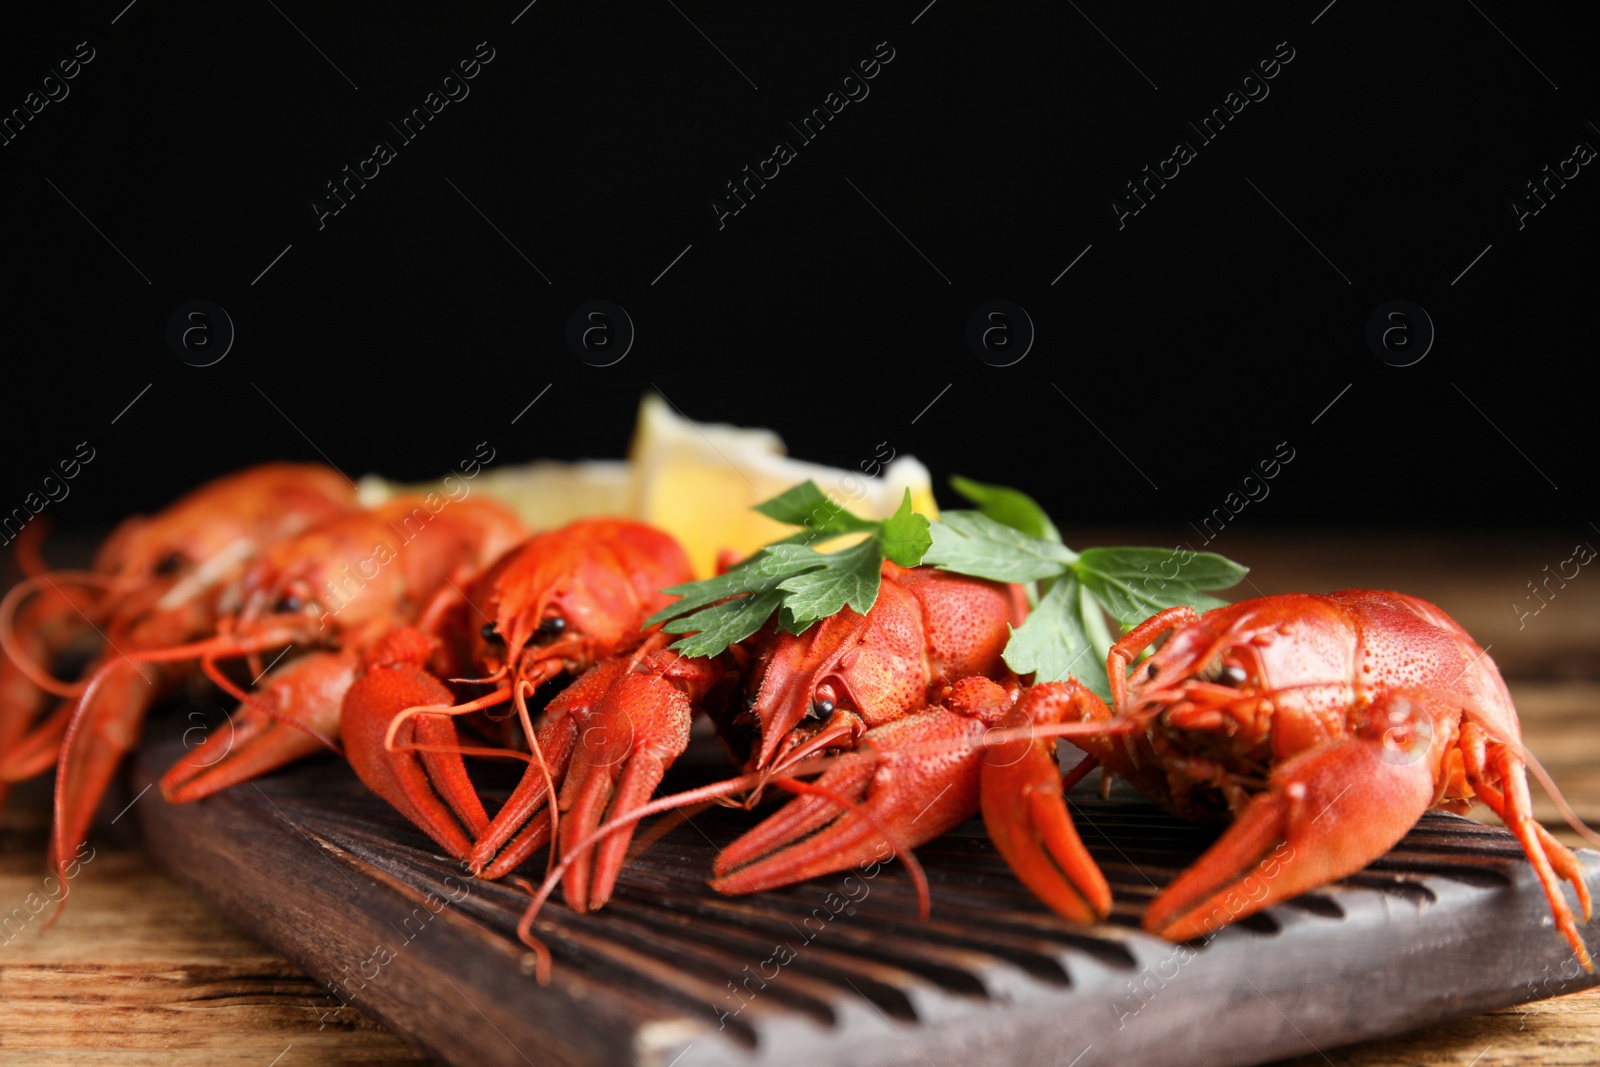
pixel 1196 338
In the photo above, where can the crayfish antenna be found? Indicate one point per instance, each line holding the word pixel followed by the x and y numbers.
pixel 12 646
pixel 405 715
pixel 541 951
pixel 520 701
pixel 224 646
pixel 28 548
pixel 524 822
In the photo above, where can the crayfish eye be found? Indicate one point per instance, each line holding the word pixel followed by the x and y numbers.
pixel 287 604
pixel 169 564
pixel 491 633
pixel 820 709
pixel 552 625
pixel 1232 675
pixel 1150 673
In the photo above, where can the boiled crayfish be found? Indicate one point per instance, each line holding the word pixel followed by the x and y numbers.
pixel 276 603
pixel 156 582
pixel 563 602
pixel 1323 726
pixel 153 581
pixel 329 594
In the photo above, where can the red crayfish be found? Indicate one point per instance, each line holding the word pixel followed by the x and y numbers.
pixel 563 602
pixel 1322 725
pixel 156 582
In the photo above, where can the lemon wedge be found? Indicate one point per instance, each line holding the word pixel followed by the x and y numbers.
pixel 699 482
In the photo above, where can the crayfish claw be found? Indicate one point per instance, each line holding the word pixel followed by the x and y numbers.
pixel 1025 811
pixel 1325 814
pixel 431 788
pixel 606 743
pixel 849 777
pixel 262 735
pixel 628 738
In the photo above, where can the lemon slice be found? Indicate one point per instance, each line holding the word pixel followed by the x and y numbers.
pixel 700 481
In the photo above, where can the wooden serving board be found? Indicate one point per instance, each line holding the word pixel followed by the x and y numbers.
pixel 840 970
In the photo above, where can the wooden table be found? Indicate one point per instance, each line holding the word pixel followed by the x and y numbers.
pixel 138 971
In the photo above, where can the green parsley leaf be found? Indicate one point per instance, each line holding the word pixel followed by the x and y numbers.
pixel 788 576
pixel 1012 507
pixel 757 574
pixel 714 629
pixel 1093 618
pixel 971 543
pixel 795 504
pixel 1135 583
pixel 808 506
pixel 1011 539
pixel 849 577
pixel 905 535
pixel 1054 641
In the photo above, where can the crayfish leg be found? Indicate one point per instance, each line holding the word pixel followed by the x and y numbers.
pixel 1498 775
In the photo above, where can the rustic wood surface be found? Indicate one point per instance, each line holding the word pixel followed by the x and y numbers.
pixel 139 971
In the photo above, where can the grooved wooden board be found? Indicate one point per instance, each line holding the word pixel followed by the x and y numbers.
pixel 840 971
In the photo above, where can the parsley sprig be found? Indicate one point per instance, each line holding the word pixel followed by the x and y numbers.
pixel 1007 538
pixel 792 578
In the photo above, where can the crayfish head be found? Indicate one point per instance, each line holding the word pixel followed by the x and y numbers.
pixel 1241 668
pixel 167 547
pixel 332 579
pixel 552 604
pixel 1200 681
pixel 223 523
pixel 801 701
